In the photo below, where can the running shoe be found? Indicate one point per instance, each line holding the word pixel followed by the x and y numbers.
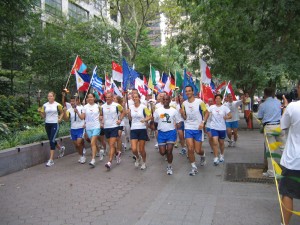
pixel 108 165
pixel 216 161
pixel 143 167
pixel 97 154
pixel 79 160
pixel 49 163
pixel 82 159
pixel 233 144
pixel 84 151
pixel 221 158
pixel 93 163
pixel 176 145
pixel 134 157
pixel 156 145
pixel 118 157
pixel 229 143
pixel 183 151
pixel 169 170
pixel 101 155
pixel 137 162
pixel 194 171
pixel 202 160
pixel 61 152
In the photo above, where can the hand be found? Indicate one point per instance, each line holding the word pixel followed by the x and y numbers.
pixel 225 117
pixel 142 121
pixel 285 101
pixel 118 122
pixel 201 126
pixel 65 109
pixel 59 120
pixel 40 109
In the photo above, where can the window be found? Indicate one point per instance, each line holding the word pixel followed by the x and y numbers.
pixel 77 13
pixel 53 7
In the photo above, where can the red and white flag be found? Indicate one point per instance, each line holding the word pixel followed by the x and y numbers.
pixel 140 86
pixel 229 90
pixel 205 72
pixel 221 87
pixel 206 93
pixel 107 83
pixel 117 72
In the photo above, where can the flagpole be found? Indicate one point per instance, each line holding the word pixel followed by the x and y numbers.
pixel 71 73
pixel 89 85
pixel 225 92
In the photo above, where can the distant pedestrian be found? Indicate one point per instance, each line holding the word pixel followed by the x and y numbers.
pixel 53 113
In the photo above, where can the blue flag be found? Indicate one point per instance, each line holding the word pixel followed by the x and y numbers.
pixel 188 81
pixel 129 75
pixel 164 78
pixel 97 82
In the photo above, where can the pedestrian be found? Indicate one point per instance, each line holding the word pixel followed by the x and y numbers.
pixel 180 129
pixel 290 160
pixel 166 118
pixel 112 115
pixel 91 115
pixel 77 126
pixel 246 108
pixel 219 113
pixel 53 114
pixel 139 115
pixel 193 111
pixel 269 113
pixel 210 102
pixel 233 123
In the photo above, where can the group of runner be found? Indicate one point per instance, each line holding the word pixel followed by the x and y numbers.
pixel 134 117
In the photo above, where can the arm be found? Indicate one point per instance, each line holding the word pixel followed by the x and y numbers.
pixel 182 112
pixel 61 113
pixel 66 114
pixel 227 116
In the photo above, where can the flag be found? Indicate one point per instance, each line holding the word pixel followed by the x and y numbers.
pixel 107 83
pixel 139 85
pixel 82 81
pixel 188 81
pixel 115 89
pixel 78 66
pixel 145 83
pixel 195 88
pixel 155 76
pixel 207 93
pixel 213 86
pixel 133 75
pixel 185 83
pixel 205 72
pixel 167 88
pixel 197 85
pixel 164 78
pixel 179 80
pixel 172 81
pixel 129 76
pixel 117 72
pixel 229 90
pixel 221 87
pixel 97 82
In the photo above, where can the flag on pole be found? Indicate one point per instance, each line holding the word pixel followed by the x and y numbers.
pixel 207 93
pixel 107 83
pixel 78 66
pixel 229 90
pixel 129 76
pixel 172 82
pixel 221 87
pixel 117 72
pixel 139 85
pixel 179 80
pixel 167 87
pixel 82 81
pixel 205 72
pixel 115 89
pixel 97 82
pixel 164 78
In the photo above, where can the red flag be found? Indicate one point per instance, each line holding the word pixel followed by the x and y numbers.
pixel 207 93
pixel 230 91
pixel 117 72
pixel 78 66
pixel 172 81
pixel 205 72
pixel 221 87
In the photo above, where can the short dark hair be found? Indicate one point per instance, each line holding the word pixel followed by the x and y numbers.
pixel 269 92
pixel 219 96
pixel 190 87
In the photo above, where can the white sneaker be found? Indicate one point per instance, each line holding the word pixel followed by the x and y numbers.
pixel 61 151
pixel 230 143
pixel 233 144
pixel 82 160
pixel 137 162
pixel 84 151
pixel 193 171
pixel 93 163
pixel 221 158
pixel 79 160
pixel 202 160
pixel 50 163
pixel 118 157
pixel 101 155
pixel 97 154
pixel 143 167
pixel 169 170
pixel 108 165
pixel 156 145
pixel 216 161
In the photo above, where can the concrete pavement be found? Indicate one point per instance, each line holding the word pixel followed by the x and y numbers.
pixel 70 193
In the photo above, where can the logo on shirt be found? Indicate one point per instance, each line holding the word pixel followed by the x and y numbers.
pixel 167 116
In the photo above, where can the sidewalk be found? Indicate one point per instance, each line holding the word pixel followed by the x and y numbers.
pixel 70 193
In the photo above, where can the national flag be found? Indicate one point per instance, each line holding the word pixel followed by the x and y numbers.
pixel 179 80
pixel 117 72
pixel 97 82
pixel 164 78
pixel 145 83
pixel 172 82
pixel 115 89
pixel 229 90
pixel 78 66
pixel 107 83
pixel 205 72
pixel 129 76
pixel 206 93
pixel 188 81
pixel 133 75
pixel 191 83
pixel 197 84
pixel 185 83
pixel 213 86
pixel 221 87
pixel 139 85
pixel 167 88
pixel 82 81
pixel 155 76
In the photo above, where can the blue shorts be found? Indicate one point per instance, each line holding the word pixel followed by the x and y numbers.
pixel 139 134
pixel 181 126
pixel 77 133
pixel 93 132
pixel 111 132
pixel 218 133
pixel 234 124
pixel 208 129
pixel 167 137
pixel 194 134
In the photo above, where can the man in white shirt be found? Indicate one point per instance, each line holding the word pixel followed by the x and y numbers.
pixel 290 160
pixel 233 123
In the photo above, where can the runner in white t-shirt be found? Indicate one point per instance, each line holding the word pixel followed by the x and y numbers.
pixel 207 125
pixel 219 113
pixel 167 118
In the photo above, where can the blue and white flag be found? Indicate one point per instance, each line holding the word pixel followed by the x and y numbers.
pixel 97 82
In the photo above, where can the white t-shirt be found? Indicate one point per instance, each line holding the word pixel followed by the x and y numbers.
pixel 166 118
pixel 76 122
pixel 290 158
pixel 217 116
pixel 138 114
pixel 178 110
pixel 234 109
pixel 111 114
pixel 158 105
pixel 194 113
pixel 92 114
pixel 51 110
pixel 173 104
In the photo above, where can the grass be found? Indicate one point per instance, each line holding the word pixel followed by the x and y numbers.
pixel 31 135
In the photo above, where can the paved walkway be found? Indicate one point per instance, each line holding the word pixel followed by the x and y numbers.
pixel 70 193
